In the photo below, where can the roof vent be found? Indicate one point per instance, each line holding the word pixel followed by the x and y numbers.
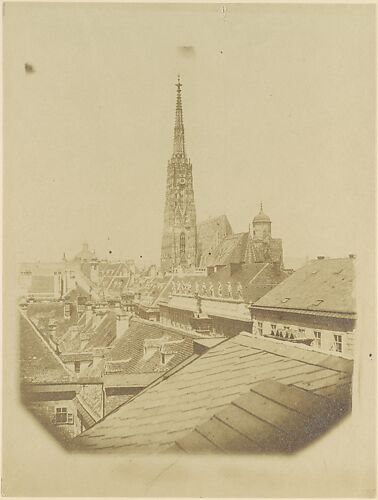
pixel 320 257
pixel 352 255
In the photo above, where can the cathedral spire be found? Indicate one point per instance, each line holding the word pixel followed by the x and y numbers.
pixel 179 141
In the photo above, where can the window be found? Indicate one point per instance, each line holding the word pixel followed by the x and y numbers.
pixel 302 332
pixel 62 416
pixel 273 329
pixel 318 339
pixel 77 366
pixel 338 343
pixel 260 327
pixel 182 243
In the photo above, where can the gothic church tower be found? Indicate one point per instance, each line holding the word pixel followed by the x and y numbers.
pixel 179 243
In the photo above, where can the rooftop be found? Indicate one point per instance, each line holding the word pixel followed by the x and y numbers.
pixel 245 394
pixel 39 363
pixel 128 356
pixel 321 285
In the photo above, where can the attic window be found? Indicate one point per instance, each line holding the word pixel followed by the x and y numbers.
pixel 62 416
pixel 286 299
pixel 318 302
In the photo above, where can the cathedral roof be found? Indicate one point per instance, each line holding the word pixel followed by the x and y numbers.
pixel 231 250
pixel 210 233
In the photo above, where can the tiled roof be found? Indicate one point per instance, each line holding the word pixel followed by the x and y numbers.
pixel 266 251
pixel 115 277
pixel 131 347
pixel 152 289
pixel 210 233
pixel 105 332
pixel 39 363
pixel 42 313
pixel 70 342
pixel 168 412
pixel 231 250
pixel 271 417
pixel 321 285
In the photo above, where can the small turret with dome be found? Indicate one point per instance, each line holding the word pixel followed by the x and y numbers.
pixel 261 225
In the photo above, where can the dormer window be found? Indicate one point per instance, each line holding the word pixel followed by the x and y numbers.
pixel 286 299
pixel 317 302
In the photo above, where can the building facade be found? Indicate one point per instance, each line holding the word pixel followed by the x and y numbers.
pixel 179 242
pixel 314 307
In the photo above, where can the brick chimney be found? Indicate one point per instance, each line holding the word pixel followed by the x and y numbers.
pixel 123 322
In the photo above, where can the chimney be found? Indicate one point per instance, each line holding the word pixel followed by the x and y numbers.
pixel 81 301
pixel 123 323
pixel 352 255
pixel 67 310
pixel 320 257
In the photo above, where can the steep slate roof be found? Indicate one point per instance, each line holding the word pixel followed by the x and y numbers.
pixel 321 285
pixel 39 363
pixel 70 342
pixel 105 332
pixel 152 289
pixel 231 250
pixel 127 355
pixel 41 313
pixel 168 412
pixel 115 276
pixel 210 233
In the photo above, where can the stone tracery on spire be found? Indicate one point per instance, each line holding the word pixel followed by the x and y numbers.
pixel 179 140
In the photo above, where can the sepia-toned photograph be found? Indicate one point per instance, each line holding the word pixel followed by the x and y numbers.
pixel 189 250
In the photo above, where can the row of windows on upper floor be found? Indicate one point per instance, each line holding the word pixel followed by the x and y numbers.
pixel 287 333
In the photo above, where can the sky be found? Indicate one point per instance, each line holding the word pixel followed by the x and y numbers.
pixel 279 106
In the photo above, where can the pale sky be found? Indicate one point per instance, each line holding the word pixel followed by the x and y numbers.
pixel 278 106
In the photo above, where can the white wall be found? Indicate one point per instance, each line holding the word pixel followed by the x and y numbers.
pixel 327 336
